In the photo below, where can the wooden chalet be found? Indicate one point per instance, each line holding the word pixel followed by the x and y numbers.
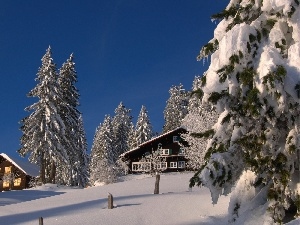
pixel 169 149
pixel 15 174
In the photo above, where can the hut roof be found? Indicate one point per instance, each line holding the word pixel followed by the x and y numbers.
pixel 28 168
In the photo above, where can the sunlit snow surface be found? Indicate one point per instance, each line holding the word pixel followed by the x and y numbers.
pixel 134 200
pixel 134 203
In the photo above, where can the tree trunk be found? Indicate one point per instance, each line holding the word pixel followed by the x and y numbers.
pixel 53 172
pixel 42 169
pixel 156 190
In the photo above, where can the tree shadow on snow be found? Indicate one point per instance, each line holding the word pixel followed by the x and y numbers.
pixel 18 218
pixel 123 205
pixel 14 197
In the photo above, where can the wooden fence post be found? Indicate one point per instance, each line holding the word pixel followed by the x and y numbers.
pixel 41 222
pixel 156 189
pixel 110 201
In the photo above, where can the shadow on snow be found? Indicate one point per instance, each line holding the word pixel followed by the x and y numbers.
pixel 15 197
pixel 18 218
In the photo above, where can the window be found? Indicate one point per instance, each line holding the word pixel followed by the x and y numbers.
pixel 17 182
pixel 146 166
pixel 7 169
pixel 181 151
pixel 5 184
pixel 176 138
pixel 135 167
pixel 141 166
pixel 165 151
pixel 181 164
pixel 161 166
pixel 173 164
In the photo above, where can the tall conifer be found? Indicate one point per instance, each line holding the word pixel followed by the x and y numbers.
pixel 176 108
pixel 72 118
pixel 103 155
pixel 200 118
pixel 43 130
pixel 122 124
pixel 143 128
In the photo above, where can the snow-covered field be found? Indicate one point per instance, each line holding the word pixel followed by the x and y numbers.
pixel 134 200
pixel 134 203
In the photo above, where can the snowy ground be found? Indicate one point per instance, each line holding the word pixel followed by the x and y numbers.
pixel 134 200
pixel 134 203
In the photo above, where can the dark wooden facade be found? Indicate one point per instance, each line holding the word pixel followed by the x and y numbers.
pixel 167 144
pixel 14 176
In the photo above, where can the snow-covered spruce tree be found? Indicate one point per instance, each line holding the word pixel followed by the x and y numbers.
pixel 253 80
pixel 103 165
pixel 176 108
pixel 132 142
pixel 95 156
pixel 82 174
pixel 143 127
pixel 200 118
pixel 74 130
pixel 122 125
pixel 43 130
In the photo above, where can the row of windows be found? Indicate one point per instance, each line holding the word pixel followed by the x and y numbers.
pixel 146 166
pixel 7 183
pixel 179 164
pixel 17 182
pixel 141 166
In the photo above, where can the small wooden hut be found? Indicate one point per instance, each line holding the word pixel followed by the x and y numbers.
pixel 16 174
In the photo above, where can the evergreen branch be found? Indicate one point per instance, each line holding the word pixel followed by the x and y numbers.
pixel 205 134
pixel 199 93
pixel 195 180
pixel 216 96
pixel 208 49
pixel 231 12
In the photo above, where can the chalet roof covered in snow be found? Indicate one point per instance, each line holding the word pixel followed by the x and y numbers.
pixel 26 167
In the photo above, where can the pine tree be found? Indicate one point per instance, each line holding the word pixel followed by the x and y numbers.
pixel 200 119
pixel 43 130
pixel 252 80
pixel 196 94
pixel 102 165
pixel 132 141
pixel 95 156
pixel 143 128
pixel 176 108
pixel 122 124
pixel 72 118
pixel 82 165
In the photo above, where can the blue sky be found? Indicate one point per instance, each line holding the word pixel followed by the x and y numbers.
pixel 125 50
